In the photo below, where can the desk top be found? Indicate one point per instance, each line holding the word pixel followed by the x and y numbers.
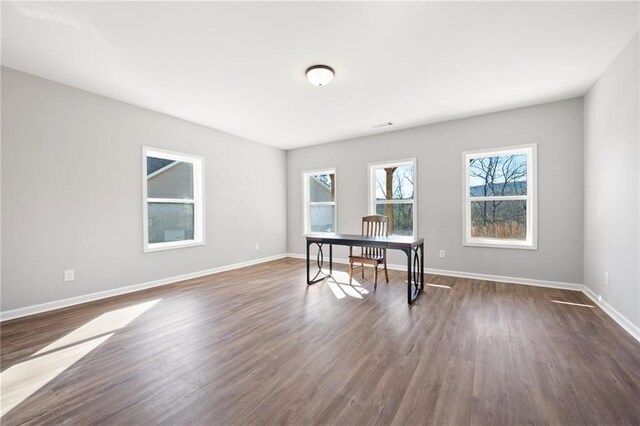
pixel 394 241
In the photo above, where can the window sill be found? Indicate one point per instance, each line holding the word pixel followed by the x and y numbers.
pixel 172 245
pixel 311 234
pixel 501 244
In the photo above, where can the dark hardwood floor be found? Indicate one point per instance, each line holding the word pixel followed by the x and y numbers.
pixel 258 346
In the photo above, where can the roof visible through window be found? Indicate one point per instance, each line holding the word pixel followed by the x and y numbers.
pixel 154 164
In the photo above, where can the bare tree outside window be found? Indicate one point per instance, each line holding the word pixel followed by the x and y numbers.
pixel 494 182
pixel 394 196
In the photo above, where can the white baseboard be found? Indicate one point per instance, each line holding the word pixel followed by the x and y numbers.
pixel 510 280
pixel 629 327
pixel 485 277
pixel 49 306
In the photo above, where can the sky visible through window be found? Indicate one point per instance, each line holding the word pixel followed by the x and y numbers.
pixel 402 183
pixel 498 175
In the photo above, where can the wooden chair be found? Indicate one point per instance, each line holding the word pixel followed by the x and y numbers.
pixel 372 226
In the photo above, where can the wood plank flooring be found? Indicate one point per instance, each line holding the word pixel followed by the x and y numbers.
pixel 259 346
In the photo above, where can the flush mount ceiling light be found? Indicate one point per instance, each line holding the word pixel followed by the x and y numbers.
pixel 320 75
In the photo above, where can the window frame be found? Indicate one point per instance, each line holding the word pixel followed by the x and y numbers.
pixel 372 187
pixel 197 201
pixel 531 242
pixel 306 202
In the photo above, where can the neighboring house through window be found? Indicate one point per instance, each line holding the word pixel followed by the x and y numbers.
pixel 173 202
pixel 319 201
pixel 500 200
pixel 392 193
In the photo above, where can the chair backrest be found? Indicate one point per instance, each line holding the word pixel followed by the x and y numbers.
pixel 374 226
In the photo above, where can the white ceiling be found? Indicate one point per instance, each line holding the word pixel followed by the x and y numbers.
pixel 239 67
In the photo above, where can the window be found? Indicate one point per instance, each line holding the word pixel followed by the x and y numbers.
pixel 172 186
pixel 319 201
pixel 392 194
pixel 500 198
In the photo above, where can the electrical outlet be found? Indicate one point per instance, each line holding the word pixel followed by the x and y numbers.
pixel 606 278
pixel 442 253
pixel 69 275
pixel 257 246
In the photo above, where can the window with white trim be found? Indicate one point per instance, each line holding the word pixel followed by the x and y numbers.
pixel 392 193
pixel 319 201
pixel 173 204
pixel 500 197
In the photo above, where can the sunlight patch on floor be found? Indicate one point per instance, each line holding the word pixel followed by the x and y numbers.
pixel 339 285
pixel 350 291
pixel 20 381
pixel 105 323
pixel 335 288
pixel 573 304
pixel 439 286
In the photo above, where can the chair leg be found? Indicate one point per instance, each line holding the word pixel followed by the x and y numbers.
pixel 375 277
pixel 386 274
pixel 362 270
pixel 350 272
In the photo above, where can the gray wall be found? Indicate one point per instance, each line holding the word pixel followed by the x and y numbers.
pixel 556 127
pixel 612 184
pixel 72 188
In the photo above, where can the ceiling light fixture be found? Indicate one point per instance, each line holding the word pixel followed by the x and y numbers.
pixel 320 75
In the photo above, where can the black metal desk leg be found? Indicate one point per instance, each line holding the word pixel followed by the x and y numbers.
pixel 330 259
pixel 308 278
pixel 409 276
pixel 320 275
pixel 422 266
